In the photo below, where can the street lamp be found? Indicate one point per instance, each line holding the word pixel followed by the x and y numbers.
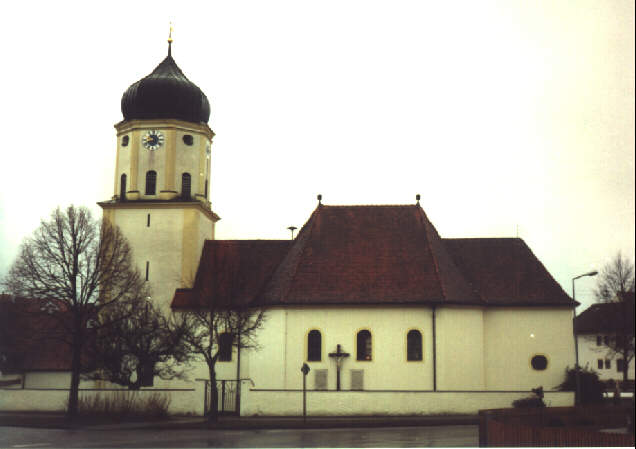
pixel 577 395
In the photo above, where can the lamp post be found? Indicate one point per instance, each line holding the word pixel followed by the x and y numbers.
pixel 577 394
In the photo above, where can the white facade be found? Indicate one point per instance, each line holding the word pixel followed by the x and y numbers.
pixel 593 354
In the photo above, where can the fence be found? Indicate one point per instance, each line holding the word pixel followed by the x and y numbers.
pixel 558 426
pixel 227 394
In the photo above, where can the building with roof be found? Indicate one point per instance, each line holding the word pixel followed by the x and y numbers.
pixel 596 331
pixel 389 316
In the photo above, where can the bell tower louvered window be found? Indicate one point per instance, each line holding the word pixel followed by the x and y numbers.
pixel 151 182
pixel 186 184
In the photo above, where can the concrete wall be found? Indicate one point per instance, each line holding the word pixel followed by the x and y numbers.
pixel 182 402
pixel 327 403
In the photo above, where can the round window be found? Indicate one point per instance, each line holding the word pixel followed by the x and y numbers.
pixel 188 139
pixel 124 141
pixel 539 362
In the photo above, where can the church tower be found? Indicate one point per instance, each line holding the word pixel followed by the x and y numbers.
pixel 162 178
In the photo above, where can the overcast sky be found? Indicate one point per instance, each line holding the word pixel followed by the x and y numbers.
pixel 509 118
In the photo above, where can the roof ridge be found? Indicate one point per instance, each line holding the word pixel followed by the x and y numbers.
pixel 422 216
pixel 369 205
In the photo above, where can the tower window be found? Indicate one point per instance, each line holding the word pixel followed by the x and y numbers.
pixel 314 346
pixel 205 192
pixel 147 269
pixel 185 186
pixel 148 222
pixel 364 345
pixel 124 141
pixel 188 140
pixel 122 188
pixel 414 346
pixel 151 182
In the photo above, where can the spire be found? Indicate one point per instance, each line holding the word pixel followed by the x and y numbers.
pixel 170 41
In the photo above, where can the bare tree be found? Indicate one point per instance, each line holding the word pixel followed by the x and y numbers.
pixel 78 269
pixel 135 344
pixel 616 288
pixel 617 277
pixel 218 320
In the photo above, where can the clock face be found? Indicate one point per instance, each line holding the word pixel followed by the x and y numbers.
pixel 152 140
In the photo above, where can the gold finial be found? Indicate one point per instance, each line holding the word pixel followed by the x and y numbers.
pixel 170 41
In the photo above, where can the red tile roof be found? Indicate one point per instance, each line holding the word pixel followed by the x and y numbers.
pixel 232 271
pixel 506 272
pixel 372 255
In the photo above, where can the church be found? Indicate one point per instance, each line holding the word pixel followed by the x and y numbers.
pixel 389 316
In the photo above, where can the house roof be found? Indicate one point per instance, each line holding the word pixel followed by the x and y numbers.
pixel 607 318
pixel 371 255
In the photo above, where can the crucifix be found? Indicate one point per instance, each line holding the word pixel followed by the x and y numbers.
pixel 339 356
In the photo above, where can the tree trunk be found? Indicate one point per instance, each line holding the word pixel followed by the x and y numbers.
pixel 213 413
pixel 73 397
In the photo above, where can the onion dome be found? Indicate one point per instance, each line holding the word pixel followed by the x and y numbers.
pixel 165 94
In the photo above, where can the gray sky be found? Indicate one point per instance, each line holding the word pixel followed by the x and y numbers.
pixel 507 117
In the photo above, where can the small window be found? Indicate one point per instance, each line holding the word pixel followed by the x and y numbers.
pixel 188 140
pixel 599 340
pixel 608 364
pixel 151 182
pixel 185 186
pixel 122 187
pixel 225 347
pixel 148 221
pixel 619 365
pixel 606 340
pixel 314 346
pixel 124 141
pixel 599 364
pixel 147 270
pixel 539 362
pixel 414 346
pixel 364 345
pixel 205 192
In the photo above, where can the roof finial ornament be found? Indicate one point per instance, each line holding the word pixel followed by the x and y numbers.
pixel 292 229
pixel 170 41
pixel 319 199
pixel 417 198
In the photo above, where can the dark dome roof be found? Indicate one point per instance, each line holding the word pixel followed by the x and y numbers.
pixel 165 93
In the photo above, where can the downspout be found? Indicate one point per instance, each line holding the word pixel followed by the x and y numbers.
pixel 434 353
pixel 238 373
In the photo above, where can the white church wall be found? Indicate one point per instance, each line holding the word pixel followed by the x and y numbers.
pixel 328 403
pixel 514 335
pixel 284 347
pixel 460 348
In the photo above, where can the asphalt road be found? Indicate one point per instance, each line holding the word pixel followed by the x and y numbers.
pixel 436 436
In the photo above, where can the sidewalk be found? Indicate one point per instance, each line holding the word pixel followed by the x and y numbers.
pixel 58 421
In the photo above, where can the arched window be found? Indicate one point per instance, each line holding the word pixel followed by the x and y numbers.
pixel 225 347
pixel 122 187
pixel 364 345
pixel 151 182
pixel 314 346
pixel 185 186
pixel 414 345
